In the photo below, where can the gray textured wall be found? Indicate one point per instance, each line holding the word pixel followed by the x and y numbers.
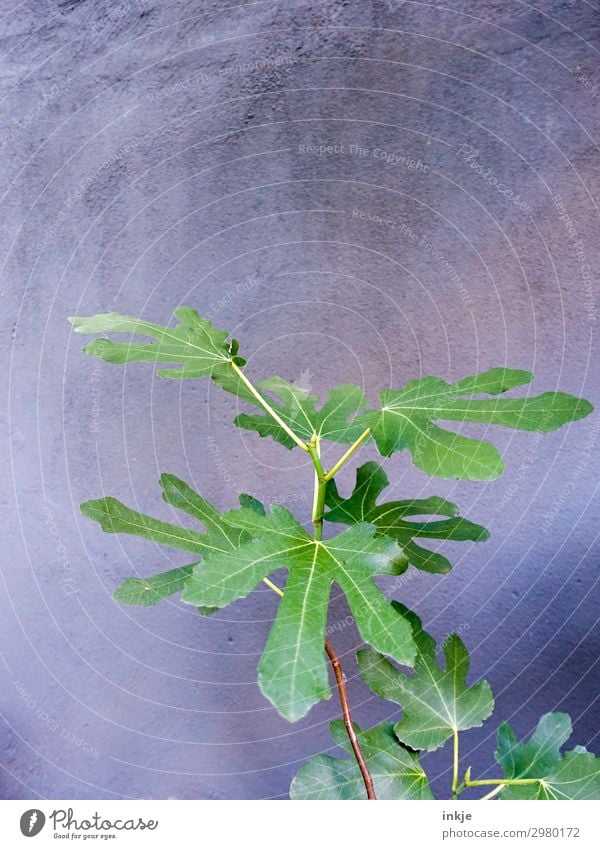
pixel 151 156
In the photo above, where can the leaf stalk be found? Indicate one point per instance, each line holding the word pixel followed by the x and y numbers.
pixel 345 457
pixel 505 782
pixel 493 793
pixel 314 449
pixel 498 783
pixel 455 787
pixel 266 406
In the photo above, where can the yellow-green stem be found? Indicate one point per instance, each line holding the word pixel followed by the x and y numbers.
pixel 355 445
pixel 482 782
pixel 273 587
pixel 265 404
pixel 455 765
pixel 314 449
pixel 493 793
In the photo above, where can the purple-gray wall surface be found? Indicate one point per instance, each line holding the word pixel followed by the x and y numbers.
pixel 361 192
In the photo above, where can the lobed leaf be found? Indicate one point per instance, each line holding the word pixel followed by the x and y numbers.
pixel 390 518
pixel 396 771
pixel 540 753
pixel 241 547
pixel 574 775
pixel 115 517
pixel 436 702
pixel 335 420
pixel 193 348
pixel 407 419
pixel 293 672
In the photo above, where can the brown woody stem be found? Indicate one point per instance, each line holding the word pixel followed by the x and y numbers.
pixel 341 685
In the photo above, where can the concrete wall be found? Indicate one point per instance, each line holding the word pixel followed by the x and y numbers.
pixel 154 154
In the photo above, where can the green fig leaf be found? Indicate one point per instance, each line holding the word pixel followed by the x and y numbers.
pixel 333 421
pixel 436 702
pixel 390 518
pixel 396 771
pixel 193 348
pixel 240 548
pixel 407 420
pixel 573 775
pixel 293 671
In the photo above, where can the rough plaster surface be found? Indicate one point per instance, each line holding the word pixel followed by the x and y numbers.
pixel 152 156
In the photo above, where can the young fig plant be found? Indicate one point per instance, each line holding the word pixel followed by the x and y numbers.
pixel 235 550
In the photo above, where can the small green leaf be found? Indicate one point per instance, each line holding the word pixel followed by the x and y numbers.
pixel 293 671
pixel 574 775
pixel 396 772
pixel 435 702
pixel 193 348
pixel 406 420
pixel 390 518
pixel 334 421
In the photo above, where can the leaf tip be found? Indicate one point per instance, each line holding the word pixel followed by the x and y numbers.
pixel 122 594
pixel 87 507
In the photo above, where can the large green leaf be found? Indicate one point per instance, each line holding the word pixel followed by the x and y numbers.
pixel 396 771
pixel 193 348
pixel 240 548
pixel 333 421
pixel 406 420
pixel 390 518
pixel 574 775
pixel 435 702
pixel 293 670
